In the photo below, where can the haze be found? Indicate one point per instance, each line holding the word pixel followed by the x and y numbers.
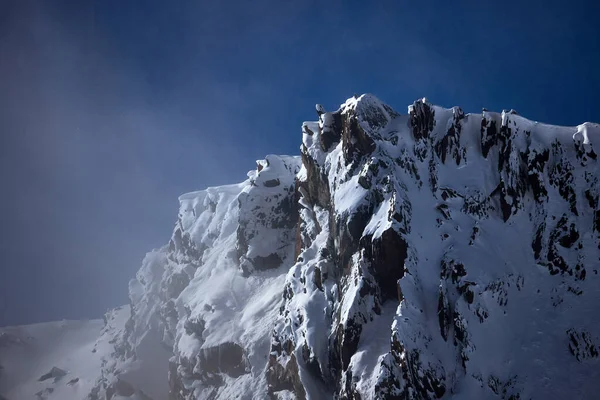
pixel 109 110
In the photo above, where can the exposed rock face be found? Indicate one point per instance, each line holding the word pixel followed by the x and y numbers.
pixel 437 226
pixel 55 373
pixel 434 254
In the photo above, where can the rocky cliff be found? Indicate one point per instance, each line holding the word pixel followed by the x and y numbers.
pixel 432 254
pixel 425 255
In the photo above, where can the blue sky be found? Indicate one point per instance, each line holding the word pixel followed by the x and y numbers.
pixel 111 109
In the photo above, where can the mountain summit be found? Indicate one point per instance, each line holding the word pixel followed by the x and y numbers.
pixel 426 255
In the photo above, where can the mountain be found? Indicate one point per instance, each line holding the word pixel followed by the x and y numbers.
pixel 432 254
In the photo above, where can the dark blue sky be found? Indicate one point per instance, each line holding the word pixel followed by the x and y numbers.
pixel 110 109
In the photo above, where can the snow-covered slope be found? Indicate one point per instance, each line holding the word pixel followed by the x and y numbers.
pixel 65 346
pixel 432 254
pixel 59 360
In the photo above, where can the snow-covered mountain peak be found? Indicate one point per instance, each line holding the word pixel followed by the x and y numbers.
pixel 432 254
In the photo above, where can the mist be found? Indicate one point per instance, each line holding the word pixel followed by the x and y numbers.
pixel 110 110
pixel 92 164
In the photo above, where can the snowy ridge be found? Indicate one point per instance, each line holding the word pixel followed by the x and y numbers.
pixel 466 212
pixel 432 254
pixel 216 286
